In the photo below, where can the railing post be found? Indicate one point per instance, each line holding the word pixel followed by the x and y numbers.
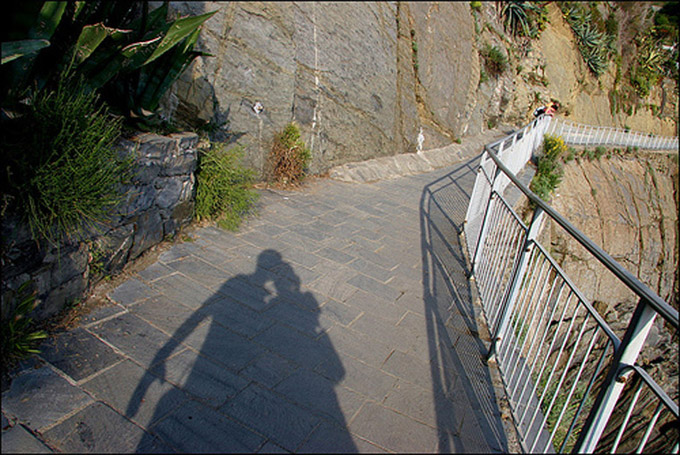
pixel 626 354
pixel 514 287
pixel 483 228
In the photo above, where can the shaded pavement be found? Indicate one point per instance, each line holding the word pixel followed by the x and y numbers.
pixel 337 320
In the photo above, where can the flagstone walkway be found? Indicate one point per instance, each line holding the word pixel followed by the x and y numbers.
pixel 339 319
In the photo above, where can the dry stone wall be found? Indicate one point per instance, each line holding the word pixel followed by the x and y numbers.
pixel 157 203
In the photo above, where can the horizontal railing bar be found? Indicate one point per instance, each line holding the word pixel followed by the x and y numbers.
pixel 655 388
pixel 669 313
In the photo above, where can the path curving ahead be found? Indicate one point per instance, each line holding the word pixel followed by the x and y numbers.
pixel 338 319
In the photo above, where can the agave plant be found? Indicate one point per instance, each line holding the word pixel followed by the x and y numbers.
pixel 132 55
pixel 515 17
pixel 522 18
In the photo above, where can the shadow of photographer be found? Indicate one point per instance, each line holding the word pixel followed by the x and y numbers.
pixel 255 383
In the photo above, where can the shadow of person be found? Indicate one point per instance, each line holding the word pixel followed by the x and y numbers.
pixel 243 366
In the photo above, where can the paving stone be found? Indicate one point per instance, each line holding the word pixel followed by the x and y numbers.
pixel 409 368
pixel 78 353
pixel 339 312
pixel 296 317
pixel 183 290
pixel 135 393
pixel 225 239
pixel 377 306
pixel 170 317
pixel 353 343
pixel 320 395
pixel 130 292
pixel 414 401
pixel 236 317
pixel 372 270
pixel 270 447
pixel 375 287
pixel 155 271
pixel 214 255
pixel 360 250
pixel 335 255
pixel 331 438
pixel 200 271
pixel 19 440
pixel 178 251
pixel 136 338
pixel 294 346
pixel 298 273
pixel 358 376
pixel 268 369
pixel 255 297
pixel 97 429
pixel 393 431
pixel 299 256
pixel 195 428
pixel 40 397
pixel 200 377
pixel 286 424
pixel 103 312
pixel 333 284
pixel 223 346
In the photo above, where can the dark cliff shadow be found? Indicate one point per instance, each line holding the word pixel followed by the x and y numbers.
pixel 243 361
pixel 468 417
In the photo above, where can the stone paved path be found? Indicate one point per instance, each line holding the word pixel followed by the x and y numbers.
pixel 339 319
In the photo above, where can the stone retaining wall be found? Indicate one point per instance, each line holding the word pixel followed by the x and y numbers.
pixel 157 203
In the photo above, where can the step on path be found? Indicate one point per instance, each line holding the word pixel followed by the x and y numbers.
pixel 338 319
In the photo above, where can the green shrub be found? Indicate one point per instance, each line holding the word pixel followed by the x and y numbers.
pixel 19 338
pixel 224 187
pixel 289 158
pixel 549 170
pixel 63 171
pixel 495 61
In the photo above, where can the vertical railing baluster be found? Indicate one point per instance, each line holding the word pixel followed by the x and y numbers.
pixel 626 354
pixel 508 304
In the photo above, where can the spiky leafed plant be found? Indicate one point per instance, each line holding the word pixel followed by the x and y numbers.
pixel 522 18
pixel 515 17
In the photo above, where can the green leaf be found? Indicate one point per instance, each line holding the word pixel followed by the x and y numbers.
pixel 179 30
pixel 91 37
pixel 16 49
pixel 48 19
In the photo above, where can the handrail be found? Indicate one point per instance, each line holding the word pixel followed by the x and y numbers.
pixel 669 313
pixel 531 306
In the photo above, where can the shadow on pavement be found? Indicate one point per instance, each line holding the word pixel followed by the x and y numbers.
pixel 243 397
pixel 468 417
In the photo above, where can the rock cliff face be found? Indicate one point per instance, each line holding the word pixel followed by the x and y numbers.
pixel 362 79
pixel 629 206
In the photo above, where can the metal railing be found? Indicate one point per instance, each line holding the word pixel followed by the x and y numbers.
pixel 576 134
pixel 563 367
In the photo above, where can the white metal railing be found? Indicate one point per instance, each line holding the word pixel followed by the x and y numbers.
pixel 577 134
pixel 563 368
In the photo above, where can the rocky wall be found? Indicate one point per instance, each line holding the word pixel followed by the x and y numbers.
pixel 364 79
pixel 157 202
